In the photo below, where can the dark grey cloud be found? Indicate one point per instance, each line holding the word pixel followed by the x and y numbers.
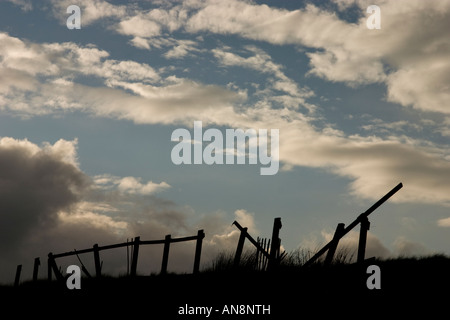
pixel 35 184
pixel 34 187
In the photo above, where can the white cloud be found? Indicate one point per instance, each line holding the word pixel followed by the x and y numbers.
pixel 406 248
pixel 133 185
pixel 444 222
pixel 141 43
pixel 139 26
pixel 63 150
pixel 181 49
pixel 412 43
pixel 130 185
pixel 86 213
pixel 59 65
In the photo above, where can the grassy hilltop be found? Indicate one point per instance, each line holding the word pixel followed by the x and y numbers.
pixel 407 285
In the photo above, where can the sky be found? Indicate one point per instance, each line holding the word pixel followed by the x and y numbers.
pixel 87 117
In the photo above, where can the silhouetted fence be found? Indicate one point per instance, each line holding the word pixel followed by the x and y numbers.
pixel 341 231
pixel 135 244
pixel 265 258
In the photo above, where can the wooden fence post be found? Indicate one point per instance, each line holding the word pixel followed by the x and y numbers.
pixel 37 263
pixel 49 267
pixel 53 267
pixel 276 242
pixel 337 236
pixel 364 227
pixel 98 266
pixel 17 278
pixel 135 256
pixel 240 247
pixel 165 258
pixel 198 250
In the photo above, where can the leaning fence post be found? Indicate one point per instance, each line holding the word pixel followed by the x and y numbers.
pixel 337 236
pixel 98 266
pixel 17 278
pixel 364 227
pixel 37 263
pixel 240 247
pixel 53 267
pixel 135 256
pixel 275 247
pixel 165 259
pixel 198 250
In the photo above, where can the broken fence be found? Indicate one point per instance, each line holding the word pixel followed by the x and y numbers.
pixel 135 244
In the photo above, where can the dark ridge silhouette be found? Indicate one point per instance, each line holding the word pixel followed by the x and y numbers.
pixel 408 285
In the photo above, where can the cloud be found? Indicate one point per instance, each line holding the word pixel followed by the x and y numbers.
pixel 181 49
pixel 444 222
pixel 131 185
pixel 36 183
pixel 406 248
pixel 408 54
pixel 138 26
pixel 91 213
pixel 59 65
pixel 68 60
pixel 411 42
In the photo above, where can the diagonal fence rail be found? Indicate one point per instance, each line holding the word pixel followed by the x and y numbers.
pixel 341 231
